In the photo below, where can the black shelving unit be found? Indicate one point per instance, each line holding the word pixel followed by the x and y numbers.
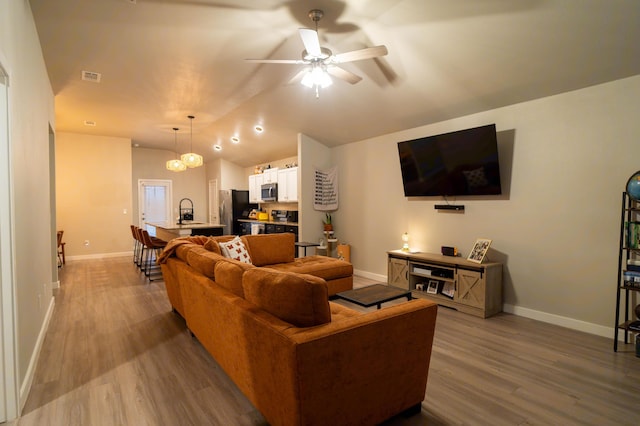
pixel 629 251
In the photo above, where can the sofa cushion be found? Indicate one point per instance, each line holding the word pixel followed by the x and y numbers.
pixel 183 249
pixel 320 266
pixel 269 249
pixel 229 275
pixel 212 243
pixel 203 261
pixel 301 300
pixel 236 250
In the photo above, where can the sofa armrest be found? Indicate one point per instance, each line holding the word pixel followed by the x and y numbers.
pixel 367 368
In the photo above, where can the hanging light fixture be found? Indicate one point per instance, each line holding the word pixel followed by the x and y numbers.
pixel 191 159
pixel 176 165
pixel 317 77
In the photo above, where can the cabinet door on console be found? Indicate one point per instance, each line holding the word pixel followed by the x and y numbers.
pixel 398 273
pixel 471 288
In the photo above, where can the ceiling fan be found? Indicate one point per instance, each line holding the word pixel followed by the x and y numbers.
pixel 321 62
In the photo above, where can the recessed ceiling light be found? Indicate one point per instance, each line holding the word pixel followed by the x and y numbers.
pixel 217 147
pixel 89 123
pixel 235 139
pixel 258 128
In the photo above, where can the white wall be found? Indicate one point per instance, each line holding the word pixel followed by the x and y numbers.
pixel 312 155
pixel 31 112
pixel 565 160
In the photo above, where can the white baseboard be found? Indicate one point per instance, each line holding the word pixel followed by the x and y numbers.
pixel 574 324
pixel 33 363
pixel 55 284
pixel 100 255
pixel 371 276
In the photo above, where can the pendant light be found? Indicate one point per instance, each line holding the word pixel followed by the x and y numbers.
pixel 176 165
pixel 191 159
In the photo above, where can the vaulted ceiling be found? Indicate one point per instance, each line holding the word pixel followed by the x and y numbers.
pixel 162 60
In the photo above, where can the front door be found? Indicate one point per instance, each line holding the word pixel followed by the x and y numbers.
pixel 154 202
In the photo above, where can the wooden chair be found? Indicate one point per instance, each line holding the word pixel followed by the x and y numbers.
pixel 61 258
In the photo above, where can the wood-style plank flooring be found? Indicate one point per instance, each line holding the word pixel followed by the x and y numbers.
pixel 115 354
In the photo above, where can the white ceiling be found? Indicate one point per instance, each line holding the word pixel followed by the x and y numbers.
pixel 162 60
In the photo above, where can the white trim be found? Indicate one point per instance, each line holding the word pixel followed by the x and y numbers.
pixel 99 256
pixel 574 324
pixel 8 347
pixel 35 355
pixel 370 275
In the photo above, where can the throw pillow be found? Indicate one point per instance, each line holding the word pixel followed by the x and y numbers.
pixel 236 250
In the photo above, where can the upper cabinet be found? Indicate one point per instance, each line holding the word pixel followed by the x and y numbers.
pixel 255 186
pixel 288 185
pixel 270 175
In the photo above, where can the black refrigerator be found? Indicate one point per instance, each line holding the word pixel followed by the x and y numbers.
pixel 234 205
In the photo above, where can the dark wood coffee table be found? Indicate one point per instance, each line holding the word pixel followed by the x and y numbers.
pixel 375 294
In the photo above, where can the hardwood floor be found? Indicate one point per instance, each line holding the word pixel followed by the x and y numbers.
pixel 115 354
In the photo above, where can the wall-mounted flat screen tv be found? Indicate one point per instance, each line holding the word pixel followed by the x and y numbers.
pixel 457 163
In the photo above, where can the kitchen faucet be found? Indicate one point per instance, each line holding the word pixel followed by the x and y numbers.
pixel 185 213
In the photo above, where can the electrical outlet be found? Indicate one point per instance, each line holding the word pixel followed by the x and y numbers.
pixel 86 243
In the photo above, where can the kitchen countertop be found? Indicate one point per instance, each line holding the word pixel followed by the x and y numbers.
pixel 272 222
pixel 185 225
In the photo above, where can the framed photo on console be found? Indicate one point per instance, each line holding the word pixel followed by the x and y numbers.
pixel 479 250
pixel 433 287
pixel 448 290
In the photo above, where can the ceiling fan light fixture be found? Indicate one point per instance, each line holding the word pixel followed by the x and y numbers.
pixel 317 76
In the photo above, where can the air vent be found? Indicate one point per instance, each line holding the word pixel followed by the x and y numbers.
pixel 91 76
pixel 90 123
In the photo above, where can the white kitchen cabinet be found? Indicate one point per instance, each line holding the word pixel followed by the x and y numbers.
pixel 288 185
pixel 255 186
pixel 270 175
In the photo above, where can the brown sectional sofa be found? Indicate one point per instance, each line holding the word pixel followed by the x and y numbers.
pixel 299 358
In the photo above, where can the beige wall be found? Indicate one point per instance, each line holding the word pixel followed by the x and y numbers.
pixel 191 183
pixel 93 186
pixel 568 158
pixel 31 113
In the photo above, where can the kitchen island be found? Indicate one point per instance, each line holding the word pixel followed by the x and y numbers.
pixel 169 231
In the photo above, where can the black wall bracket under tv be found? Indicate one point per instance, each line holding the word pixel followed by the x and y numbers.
pixel 459 208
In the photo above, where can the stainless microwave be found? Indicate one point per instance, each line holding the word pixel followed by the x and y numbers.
pixel 269 192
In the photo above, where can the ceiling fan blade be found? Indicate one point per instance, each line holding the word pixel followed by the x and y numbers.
pixel 276 61
pixel 311 42
pixel 343 74
pixel 358 55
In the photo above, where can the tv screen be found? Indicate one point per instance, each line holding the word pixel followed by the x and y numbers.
pixel 457 163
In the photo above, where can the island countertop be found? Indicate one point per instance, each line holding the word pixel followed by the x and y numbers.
pixel 170 230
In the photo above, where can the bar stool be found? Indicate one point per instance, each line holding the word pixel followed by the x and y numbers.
pixel 136 244
pixel 154 246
